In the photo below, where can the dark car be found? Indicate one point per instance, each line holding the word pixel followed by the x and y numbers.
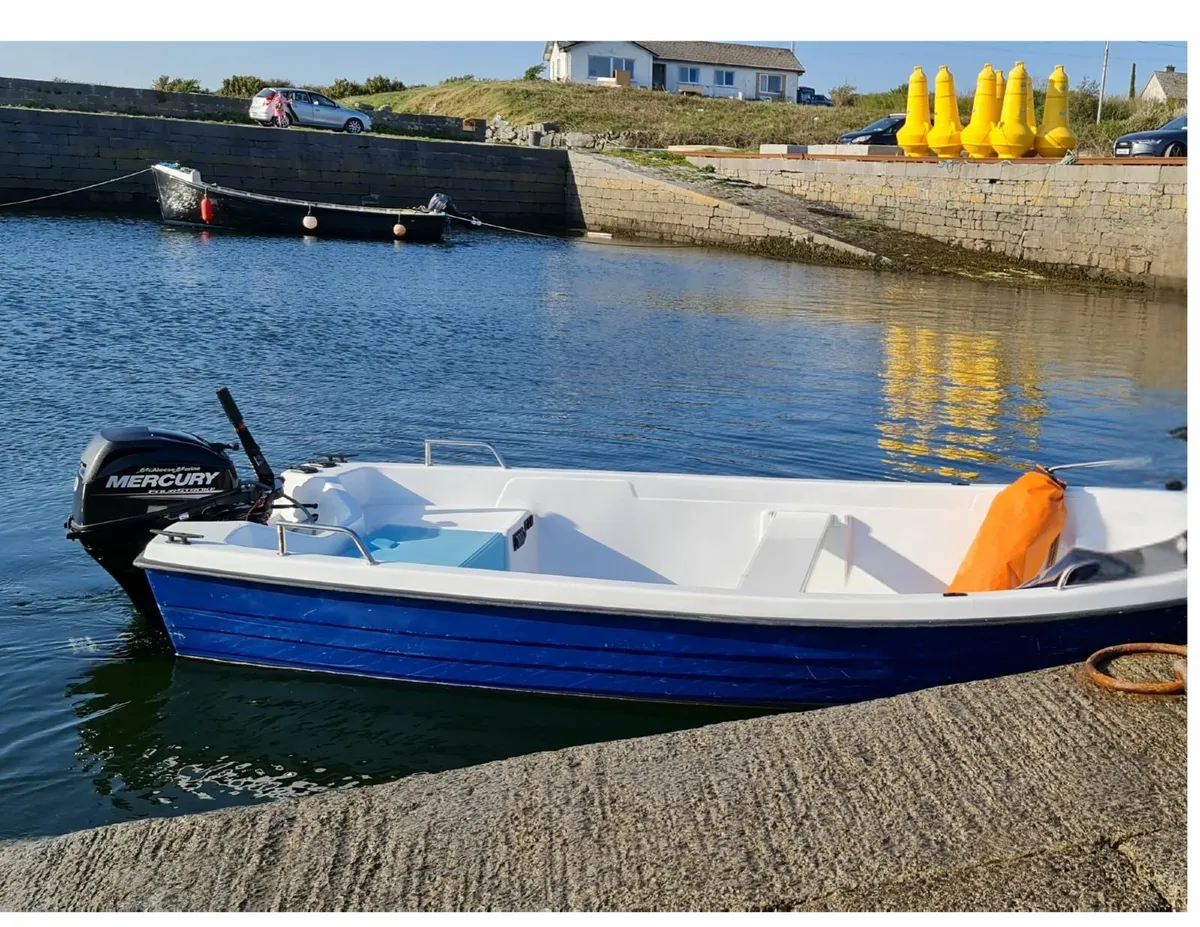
pixel 880 132
pixel 806 96
pixel 1168 142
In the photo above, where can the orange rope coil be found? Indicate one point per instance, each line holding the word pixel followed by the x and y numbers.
pixel 1176 686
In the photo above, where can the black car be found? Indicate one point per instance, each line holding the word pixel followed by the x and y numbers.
pixel 806 96
pixel 1168 142
pixel 880 132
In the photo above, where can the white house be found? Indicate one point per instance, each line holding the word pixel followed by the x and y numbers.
pixel 712 69
pixel 1167 84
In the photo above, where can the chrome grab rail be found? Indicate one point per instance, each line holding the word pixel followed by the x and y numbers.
pixel 454 442
pixel 286 526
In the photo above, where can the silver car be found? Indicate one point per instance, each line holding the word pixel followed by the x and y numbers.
pixel 308 108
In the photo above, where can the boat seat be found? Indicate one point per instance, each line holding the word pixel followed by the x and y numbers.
pixel 783 560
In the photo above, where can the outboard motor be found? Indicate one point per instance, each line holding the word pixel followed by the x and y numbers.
pixel 134 481
pixel 439 202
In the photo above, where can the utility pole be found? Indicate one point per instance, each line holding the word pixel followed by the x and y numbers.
pixel 1103 76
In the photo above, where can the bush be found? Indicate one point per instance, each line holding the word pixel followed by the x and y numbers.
pixel 169 84
pixel 381 84
pixel 245 85
pixel 843 95
pixel 462 78
pixel 342 88
pixel 535 72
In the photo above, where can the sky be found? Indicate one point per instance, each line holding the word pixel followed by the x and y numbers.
pixel 869 66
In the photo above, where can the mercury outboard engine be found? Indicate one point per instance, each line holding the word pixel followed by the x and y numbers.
pixel 134 481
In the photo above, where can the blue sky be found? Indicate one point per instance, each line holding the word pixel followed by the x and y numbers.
pixel 869 66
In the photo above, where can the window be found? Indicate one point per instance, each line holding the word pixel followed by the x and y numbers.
pixel 322 101
pixel 880 125
pixel 770 83
pixel 689 75
pixel 604 66
pixel 723 78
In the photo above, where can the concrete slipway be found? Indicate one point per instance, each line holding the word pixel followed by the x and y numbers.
pixel 1027 792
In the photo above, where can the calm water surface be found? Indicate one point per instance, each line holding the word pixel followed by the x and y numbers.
pixel 562 353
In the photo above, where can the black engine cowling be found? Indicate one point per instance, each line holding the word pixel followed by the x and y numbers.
pixel 135 480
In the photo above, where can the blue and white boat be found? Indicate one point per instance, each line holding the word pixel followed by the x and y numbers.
pixel 660 586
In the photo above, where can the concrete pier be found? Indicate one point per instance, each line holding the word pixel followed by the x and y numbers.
pixel 1027 792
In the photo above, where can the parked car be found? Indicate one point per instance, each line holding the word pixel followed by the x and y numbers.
pixel 880 132
pixel 806 96
pixel 1170 141
pixel 308 108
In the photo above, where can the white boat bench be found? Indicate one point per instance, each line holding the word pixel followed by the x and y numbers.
pixel 784 558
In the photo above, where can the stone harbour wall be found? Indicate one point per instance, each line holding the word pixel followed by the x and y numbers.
pixel 45 152
pixel 1126 221
pixel 100 98
pixel 602 195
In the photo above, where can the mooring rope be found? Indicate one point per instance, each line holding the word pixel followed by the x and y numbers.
pixel 478 222
pixel 90 186
pixel 1177 686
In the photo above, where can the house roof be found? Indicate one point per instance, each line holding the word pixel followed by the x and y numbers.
pixel 727 53
pixel 1173 83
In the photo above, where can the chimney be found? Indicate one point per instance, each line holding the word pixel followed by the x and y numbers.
pixel 1171 68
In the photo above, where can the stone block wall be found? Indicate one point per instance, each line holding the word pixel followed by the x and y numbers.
pixel 1121 221
pixel 449 127
pixel 602 195
pixel 100 98
pixel 548 135
pixel 49 151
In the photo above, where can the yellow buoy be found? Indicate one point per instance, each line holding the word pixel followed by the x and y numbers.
pixel 1012 137
pixel 399 230
pixel 983 118
pixel 914 134
pixel 1055 137
pixel 945 138
pixel 1030 115
pixel 998 103
pixel 310 222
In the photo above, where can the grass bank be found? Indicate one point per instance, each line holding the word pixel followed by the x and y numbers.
pixel 656 120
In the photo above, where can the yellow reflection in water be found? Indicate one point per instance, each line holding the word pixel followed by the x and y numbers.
pixel 948 396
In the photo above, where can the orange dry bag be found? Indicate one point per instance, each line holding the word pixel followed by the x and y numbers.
pixel 1017 536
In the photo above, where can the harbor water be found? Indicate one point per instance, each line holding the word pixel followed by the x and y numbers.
pixel 562 353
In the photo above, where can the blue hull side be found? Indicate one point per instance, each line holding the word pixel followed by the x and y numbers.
pixel 621 656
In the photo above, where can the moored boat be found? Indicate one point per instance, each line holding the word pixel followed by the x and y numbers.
pixel 658 586
pixel 185 199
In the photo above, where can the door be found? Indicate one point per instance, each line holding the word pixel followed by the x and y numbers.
pixel 658 79
pixel 301 107
pixel 326 113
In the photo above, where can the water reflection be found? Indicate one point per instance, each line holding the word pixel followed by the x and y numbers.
pixel 951 397
pixel 971 387
pixel 159 735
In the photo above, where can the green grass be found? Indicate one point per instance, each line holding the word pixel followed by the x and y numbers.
pixel 656 120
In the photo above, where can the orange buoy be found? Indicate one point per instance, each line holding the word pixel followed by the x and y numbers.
pixel 310 222
pixel 399 230
pixel 206 209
